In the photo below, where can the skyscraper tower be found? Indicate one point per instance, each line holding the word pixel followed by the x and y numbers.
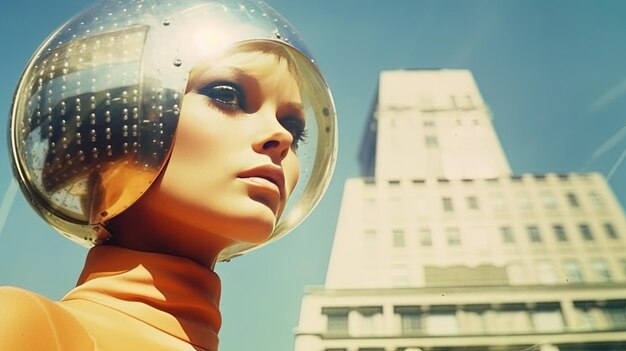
pixel 439 246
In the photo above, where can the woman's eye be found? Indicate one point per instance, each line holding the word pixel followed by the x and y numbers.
pixel 295 126
pixel 226 95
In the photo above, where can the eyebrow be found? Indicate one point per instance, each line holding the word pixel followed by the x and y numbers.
pixel 298 107
pixel 246 79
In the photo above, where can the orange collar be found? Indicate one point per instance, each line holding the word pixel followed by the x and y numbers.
pixel 172 294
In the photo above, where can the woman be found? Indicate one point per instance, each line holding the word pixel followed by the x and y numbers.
pixel 172 136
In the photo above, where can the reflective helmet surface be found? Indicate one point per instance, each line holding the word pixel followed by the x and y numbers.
pixel 95 112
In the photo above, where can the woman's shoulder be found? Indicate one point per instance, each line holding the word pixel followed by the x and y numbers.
pixel 30 321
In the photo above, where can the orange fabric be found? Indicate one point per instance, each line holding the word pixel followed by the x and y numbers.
pixel 125 300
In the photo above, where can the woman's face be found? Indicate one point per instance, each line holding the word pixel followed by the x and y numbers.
pixel 233 164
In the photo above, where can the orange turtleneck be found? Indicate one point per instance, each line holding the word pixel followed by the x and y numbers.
pixel 125 300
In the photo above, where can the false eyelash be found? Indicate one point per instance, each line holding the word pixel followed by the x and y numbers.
pixel 301 138
pixel 212 91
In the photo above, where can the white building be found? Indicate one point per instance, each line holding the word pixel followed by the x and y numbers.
pixel 439 247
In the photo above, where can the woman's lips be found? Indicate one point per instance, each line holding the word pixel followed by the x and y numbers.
pixel 269 177
pixel 263 191
pixel 266 185
pixel 262 183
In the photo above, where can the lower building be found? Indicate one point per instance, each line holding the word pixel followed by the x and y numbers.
pixel 477 318
pixel 441 247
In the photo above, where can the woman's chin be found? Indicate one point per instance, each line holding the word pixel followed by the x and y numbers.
pixel 254 230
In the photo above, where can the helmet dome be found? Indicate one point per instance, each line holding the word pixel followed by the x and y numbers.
pixel 95 113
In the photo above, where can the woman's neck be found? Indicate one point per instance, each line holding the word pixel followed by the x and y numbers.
pixel 162 234
pixel 175 295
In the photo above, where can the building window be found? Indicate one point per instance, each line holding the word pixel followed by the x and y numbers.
pixel 507 235
pixel 512 318
pixel 585 317
pixel 547 319
pixel 411 319
pixel 596 200
pixel 447 204
pixel 442 321
pixel 429 123
pixel 472 202
pixel 398 238
pixel 474 319
pixel 585 232
pixel 572 200
pixel 367 319
pixel 559 232
pixel 431 141
pixel 586 320
pixel 533 234
pixel 337 318
pixel 601 269
pixel 453 236
pixel 610 231
pixel 616 313
pixel 425 237
pixel 572 271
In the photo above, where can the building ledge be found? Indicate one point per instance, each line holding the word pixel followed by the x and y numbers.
pixel 595 336
pixel 557 289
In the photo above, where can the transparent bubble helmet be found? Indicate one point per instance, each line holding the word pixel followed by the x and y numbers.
pixel 95 112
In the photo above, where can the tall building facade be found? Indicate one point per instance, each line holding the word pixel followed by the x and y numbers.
pixel 440 247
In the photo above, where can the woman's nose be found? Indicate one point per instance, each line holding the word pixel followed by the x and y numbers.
pixel 274 140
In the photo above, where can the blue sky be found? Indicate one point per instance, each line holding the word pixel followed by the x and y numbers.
pixel 552 72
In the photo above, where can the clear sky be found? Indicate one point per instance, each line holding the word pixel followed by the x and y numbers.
pixel 552 72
